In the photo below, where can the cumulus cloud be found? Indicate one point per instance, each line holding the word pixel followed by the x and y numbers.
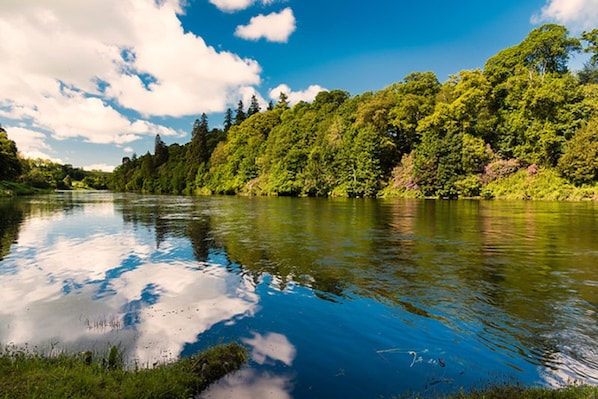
pixel 104 167
pixel 274 27
pixel 296 96
pixel 76 69
pixel 31 144
pixel 232 5
pixel 577 15
pixel 236 5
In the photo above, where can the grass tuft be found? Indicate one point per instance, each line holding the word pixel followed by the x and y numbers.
pixel 29 374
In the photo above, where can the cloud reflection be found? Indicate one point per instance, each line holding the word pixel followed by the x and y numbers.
pixel 271 347
pixel 249 384
pixel 89 290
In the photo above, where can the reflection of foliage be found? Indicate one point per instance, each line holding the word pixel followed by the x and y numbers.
pixel 11 217
pixel 456 263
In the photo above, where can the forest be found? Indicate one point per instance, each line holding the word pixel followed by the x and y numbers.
pixel 524 126
pixel 525 120
pixel 20 175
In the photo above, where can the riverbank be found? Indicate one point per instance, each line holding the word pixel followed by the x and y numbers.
pixel 541 184
pixel 13 189
pixel 86 375
pixel 515 391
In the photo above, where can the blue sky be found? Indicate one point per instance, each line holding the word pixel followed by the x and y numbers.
pixel 89 82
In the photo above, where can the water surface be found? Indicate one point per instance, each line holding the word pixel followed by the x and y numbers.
pixel 333 297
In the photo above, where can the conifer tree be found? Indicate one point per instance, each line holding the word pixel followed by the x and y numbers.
pixel 240 114
pixel 254 106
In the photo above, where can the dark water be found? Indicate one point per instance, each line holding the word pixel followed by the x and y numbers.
pixel 334 298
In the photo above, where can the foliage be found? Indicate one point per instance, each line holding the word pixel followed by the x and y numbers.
pixel 10 167
pixel 579 163
pixel 27 374
pixel 417 137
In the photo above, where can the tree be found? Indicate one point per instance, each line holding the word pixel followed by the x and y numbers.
pixel 160 151
pixel 228 119
pixel 283 101
pixel 589 73
pixel 547 49
pixel 579 163
pixel 592 47
pixel 240 115
pixel 254 106
pixel 10 166
pixel 197 150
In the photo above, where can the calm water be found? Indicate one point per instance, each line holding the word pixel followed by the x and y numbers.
pixel 334 298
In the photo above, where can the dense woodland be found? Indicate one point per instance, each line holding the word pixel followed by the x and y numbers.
pixel 524 121
pixel 43 174
pixel 524 114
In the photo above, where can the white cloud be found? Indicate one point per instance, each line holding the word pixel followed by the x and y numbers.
pixel 245 94
pixel 296 96
pixel 99 166
pixel 69 67
pixel 236 5
pixel 274 27
pixel 577 15
pixel 232 5
pixel 31 144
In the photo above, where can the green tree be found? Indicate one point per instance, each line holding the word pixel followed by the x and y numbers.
pixel 240 115
pixel 160 151
pixel 591 38
pixel 589 73
pixel 416 96
pixel 228 119
pixel 579 163
pixel 283 101
pixel 254 106
pixel 197 150
pixel 10 166
pixel 548 48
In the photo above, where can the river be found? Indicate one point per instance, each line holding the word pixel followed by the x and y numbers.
pixel 349 298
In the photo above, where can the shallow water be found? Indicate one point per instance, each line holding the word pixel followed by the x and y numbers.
pixel 333 297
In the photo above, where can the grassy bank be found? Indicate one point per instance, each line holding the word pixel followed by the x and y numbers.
pixel 30 375
pixel 514 391
pixel 11 189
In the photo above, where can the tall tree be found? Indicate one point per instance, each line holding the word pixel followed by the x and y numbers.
pixel 160 151
pixel 548 48
pixel 592 47
pixel 589 73
pixel 240 115
pixel 228 119
pixel 10 167
pixel 197 150
pixel 283 100
pixel 254 106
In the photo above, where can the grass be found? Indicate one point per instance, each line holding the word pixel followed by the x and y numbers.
pixel 508 391
pixel 546 184
pixel 24 374
pixel 11 189
pixel 518 391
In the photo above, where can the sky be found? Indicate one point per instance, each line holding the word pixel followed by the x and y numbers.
pixel 89 82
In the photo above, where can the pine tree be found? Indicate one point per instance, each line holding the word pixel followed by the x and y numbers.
pixel 228 119
pixel 240 115
pixel 254 106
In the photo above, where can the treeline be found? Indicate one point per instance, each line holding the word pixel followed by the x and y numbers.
pixel 44 174
pixel 524 114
